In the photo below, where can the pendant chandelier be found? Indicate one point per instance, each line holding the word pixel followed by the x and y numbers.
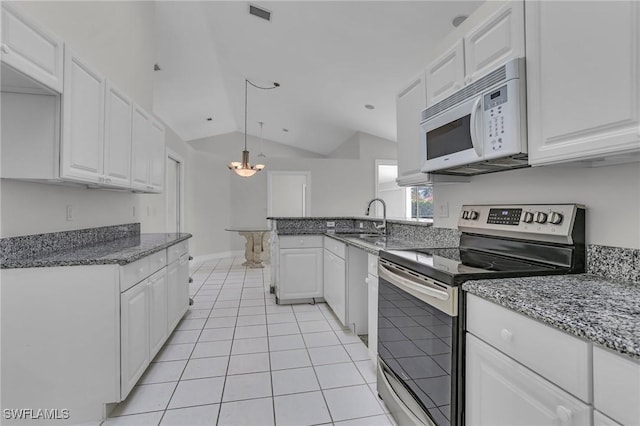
pixel 244 168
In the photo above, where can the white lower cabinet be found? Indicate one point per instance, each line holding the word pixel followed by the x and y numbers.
pixel 134 335
pixel 299 264
pixel 177 290
pixel 372 298
pixel 616 386
pixel 335 284
pixel 158 312
pixel 500 391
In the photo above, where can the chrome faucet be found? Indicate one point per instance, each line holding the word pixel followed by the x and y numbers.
pixel 382 228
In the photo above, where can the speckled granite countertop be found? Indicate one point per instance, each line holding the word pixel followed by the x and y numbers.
pixel 120 251
pixel 606 312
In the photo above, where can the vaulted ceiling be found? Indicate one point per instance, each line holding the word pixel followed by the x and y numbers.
pixel 331 59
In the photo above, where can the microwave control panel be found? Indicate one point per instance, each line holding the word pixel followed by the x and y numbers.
pixel 501 121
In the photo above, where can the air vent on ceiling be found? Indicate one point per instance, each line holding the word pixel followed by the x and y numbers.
pixel 259 12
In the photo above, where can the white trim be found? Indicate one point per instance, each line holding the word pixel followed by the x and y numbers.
pixel 172 155
pixel 377 163
pixel 307 198
pixel 212 256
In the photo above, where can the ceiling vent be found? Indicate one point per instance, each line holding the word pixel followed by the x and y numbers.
pixel 259 12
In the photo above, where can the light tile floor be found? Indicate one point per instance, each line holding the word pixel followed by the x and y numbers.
pixel 237 358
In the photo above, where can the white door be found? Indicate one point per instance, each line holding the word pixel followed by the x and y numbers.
pixel 174 192
pixel 288 193
pixel 500 391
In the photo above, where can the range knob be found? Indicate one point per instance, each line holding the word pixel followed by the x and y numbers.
pixel 541 217
pixel 465 214
pixel 556 218
pixel 528 217
pixel 473 215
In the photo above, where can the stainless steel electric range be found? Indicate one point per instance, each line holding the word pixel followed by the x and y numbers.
pixel 421 309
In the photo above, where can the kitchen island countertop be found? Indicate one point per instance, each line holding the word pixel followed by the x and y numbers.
pixel 603 311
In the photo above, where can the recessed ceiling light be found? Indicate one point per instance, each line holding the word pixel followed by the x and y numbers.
pixel 285 130
pixel 458 20
pixel 369 106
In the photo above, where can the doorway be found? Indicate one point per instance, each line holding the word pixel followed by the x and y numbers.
pixel 288 193
pixel 174 192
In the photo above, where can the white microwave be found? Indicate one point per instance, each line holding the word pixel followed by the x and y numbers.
pixel 481 128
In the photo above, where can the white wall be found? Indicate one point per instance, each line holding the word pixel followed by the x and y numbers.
pixel 116 37
pixel 230 146
pixel 611 195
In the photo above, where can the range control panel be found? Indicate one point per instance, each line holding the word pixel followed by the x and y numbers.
pixel 547 222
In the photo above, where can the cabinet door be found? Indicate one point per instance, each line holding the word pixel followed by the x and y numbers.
pixel 117 138
pixel 584 84
pixel 300 273
pixel 500 391
pixel 178 297
pixel 157 159
pixel 134 339
pixel 140 150
pixel 372 296
pixel 31 49
pixel 157 311
pixel 495 41
pixel 335 282
pixel 445 74
pixel 82 145
pixel 409 104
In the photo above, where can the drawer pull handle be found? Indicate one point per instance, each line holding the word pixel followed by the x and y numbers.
pixel 564 414
pixel 506 335
pixel 5 49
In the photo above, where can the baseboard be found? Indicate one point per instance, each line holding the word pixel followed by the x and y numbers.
pixel 213 256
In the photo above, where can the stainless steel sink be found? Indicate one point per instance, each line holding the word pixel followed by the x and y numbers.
pixel 374 239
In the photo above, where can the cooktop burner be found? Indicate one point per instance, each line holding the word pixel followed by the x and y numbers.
pixel 454 266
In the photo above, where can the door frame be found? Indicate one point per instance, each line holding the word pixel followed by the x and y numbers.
pixel 172 155
pixel 378 163
pixel 307 203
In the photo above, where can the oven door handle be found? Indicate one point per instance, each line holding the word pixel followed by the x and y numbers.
pixel 407 284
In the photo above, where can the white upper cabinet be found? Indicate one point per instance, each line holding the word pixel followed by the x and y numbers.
pixel 445 74
pixel 31 50
pixel 82 146
pixel 117 138
pixel 490 43
pixel 157 156
pixel 495 41
pixel 583 84
pixel 409 103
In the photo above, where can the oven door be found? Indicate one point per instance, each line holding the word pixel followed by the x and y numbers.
pixel 418 348
pixel 454 137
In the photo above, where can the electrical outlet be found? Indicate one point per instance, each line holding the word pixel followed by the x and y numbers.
pixel 361 225
pixel 69 212
pixel 331 224
pixel 443 209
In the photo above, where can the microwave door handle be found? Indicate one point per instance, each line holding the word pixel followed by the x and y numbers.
pixel 475 140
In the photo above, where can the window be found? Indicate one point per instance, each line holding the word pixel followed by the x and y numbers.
pixel 421 202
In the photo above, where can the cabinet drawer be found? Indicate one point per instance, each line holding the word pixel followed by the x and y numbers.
pixel 616 386
pixel 133 273
pixel 559 357
pixel 157 261
pixel 175 251
pixel 295 241
pixel 335 247
pixel 372 264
